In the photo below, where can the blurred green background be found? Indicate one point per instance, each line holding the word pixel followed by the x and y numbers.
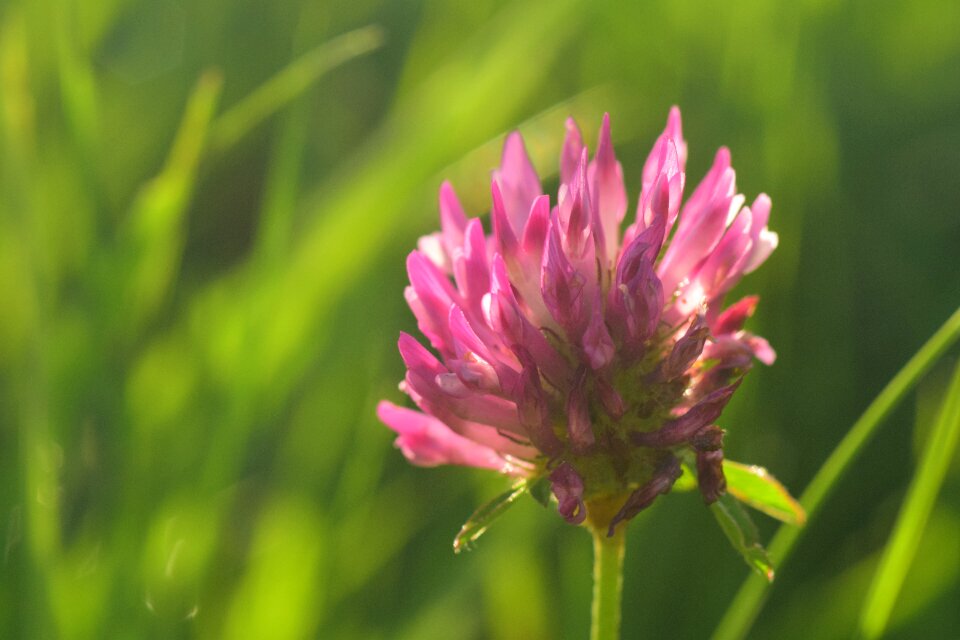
pixel 201 288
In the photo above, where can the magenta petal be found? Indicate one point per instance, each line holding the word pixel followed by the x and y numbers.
pixel 535 233
pixel 705 412
pixel 453 221
pixel 477 361
pixel 610 194
pixel 579 425
pixel 427 442
pixel 416 356
pixel 572 150
pixel 506 239
pixel 661 483
pixel 762 350
pixel 430 297
pixel 567 486
pixel 764 240
pixel 518 181
pixel 729 352
pixel 507 319
pixel 673 133
pixel 597 344
pixel 687 349
pixel 610 399
pixel 470 268
pixel 533 408
pixel 735 316
pixel 637 296
pixel 574 212
pixel 561 285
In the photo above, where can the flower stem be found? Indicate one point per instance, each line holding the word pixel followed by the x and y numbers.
pixel 607 582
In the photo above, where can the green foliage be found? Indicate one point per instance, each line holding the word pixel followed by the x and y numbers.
pixel 755 487
pixel 204 209
pixel 477 524
pixel 742 534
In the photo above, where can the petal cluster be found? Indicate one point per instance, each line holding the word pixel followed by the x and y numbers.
pixel 571 342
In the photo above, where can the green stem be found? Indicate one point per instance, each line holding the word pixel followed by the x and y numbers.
pixel 749 600
pixel 607 583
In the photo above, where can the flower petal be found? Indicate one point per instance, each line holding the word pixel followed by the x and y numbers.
pixel 518 181
pixel 427 442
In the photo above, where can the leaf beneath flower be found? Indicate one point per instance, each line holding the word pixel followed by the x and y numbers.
pixel 755 487
pixel 477 524
pixel 742 533
pixel 540 490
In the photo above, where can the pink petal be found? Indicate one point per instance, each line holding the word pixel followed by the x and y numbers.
pixel 427 442
pixel 597 344
pixel 518 181
pixel 453 221
pixel 533 408
pixel 507 319
pixel 687 349
pixel 561 285
pixel 579 425
pixel 470 268
pixel 702 223
pixel 506 239
pixel 572 149
pixel 735 316
pixel 764 240
pixel 606 182
pixel 430 296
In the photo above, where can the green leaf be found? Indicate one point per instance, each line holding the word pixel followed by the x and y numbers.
pixel 742 533
pixel 540 490
pixel 477 524
pixel 755 487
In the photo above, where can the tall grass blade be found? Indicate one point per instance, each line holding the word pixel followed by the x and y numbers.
pixel 921 497
pixel 749 600
pixel 279 90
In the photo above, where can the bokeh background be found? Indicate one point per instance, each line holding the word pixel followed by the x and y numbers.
pixel 204 214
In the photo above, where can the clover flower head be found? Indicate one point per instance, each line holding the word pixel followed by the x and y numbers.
pixel 565 349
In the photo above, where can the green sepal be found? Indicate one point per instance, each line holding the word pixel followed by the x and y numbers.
pixel 476 525
pixel 540 490
pixel 742 533
pixel 755 487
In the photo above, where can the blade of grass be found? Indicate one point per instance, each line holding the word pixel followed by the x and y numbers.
pixel 154 235
pixel 921 497
pixel 283 87
pixel 78 88
pixel 746 605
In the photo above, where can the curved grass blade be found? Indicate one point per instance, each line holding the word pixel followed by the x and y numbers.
pixel 908 531
pixel 279 90
pixel 755 487
pixel 741 613
pixel 742 533
pixel 481 519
